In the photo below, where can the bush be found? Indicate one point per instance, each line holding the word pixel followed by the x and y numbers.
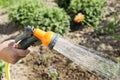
pixel 92 9
pixel 36 14
pixel 2 67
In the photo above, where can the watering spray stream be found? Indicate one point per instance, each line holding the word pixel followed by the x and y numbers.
pixel 78 54
pixel 89 59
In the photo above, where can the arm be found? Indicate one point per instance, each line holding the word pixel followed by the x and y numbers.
pixel 10 54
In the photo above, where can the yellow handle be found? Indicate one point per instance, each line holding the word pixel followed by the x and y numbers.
pixel 7 70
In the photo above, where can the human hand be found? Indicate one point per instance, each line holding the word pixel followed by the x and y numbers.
pixel 9 53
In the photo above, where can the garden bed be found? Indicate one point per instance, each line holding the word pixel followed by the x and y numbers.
pixel 32 68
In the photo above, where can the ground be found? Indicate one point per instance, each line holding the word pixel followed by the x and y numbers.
pixel 33 68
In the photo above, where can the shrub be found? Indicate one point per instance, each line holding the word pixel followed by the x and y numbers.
pixel 2 67
pixel 36 14
pixel 92 9
pixel 56 19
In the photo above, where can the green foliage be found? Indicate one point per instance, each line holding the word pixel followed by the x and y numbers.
pixel 117 38
pixel 36 14
pixel 44 57
pixel 2 67
pixel 53 72
pixel 75 6
pixel 56 19
pixel 110 28
pixel 92 9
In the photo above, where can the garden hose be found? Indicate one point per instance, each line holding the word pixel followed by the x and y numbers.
pixel 7 71
pixel 29 37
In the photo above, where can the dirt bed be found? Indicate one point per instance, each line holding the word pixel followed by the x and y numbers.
pixel 33 68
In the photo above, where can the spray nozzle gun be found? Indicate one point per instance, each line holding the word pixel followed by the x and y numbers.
pixel 29 37
pixel 32 35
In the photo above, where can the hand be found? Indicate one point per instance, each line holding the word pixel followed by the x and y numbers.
pixel 11 54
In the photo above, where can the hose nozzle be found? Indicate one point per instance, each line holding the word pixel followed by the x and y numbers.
pixel 48 39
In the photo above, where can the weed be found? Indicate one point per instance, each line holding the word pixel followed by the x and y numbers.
pixel 44 57
pixel 110 28
pixel 53 72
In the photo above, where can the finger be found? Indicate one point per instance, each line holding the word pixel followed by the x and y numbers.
pixel 11 42
pixel 21 52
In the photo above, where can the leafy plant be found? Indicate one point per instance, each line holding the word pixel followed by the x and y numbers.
pixel 53 72
pixel 110 28
pixel 36 14
pixel 75 6
pixel 117 38
pixel 2 67
pixel 44 57
pixel 92 9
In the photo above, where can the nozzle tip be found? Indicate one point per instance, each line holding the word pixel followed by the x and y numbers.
pixel 53 41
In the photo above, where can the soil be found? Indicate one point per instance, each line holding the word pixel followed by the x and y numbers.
pixel 32 67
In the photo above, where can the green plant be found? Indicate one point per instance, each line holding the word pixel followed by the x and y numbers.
pixel 110 28
pixel 75 6
pixel 91 9
pixel 2 67
pixel 44 57
pixel 36 14
pixel 57 20
pixel 117 38
pixel 53 72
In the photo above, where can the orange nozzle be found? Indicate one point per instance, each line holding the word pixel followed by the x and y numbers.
pixel 45 37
